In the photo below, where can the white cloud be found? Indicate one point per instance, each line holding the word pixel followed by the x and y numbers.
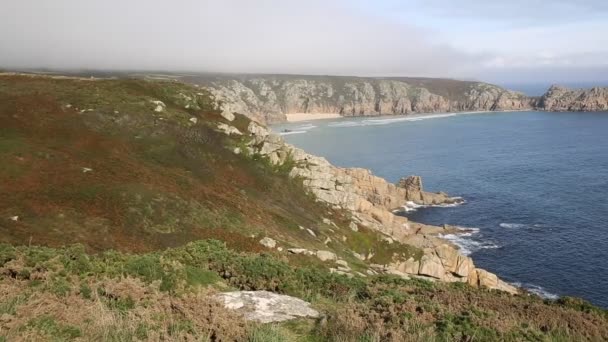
pixel 455 39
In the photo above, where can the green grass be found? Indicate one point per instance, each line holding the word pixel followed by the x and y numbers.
pixel 380 306
pixel 9 305
pixel 268 333
pixel 56 331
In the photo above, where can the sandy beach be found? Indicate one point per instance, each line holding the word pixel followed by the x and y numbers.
pixel 296 117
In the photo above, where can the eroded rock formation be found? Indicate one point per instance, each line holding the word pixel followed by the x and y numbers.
pixel 563 99
pixel 371 201
pixel 267 98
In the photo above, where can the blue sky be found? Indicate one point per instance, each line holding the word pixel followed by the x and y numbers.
pixel 539 41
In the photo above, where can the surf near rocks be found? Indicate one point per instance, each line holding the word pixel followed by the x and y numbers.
pixel 371 201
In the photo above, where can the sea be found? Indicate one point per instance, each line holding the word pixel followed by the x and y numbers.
pixel 535 186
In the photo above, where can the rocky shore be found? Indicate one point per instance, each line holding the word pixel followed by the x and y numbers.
pixel 371 201
pixel 270 98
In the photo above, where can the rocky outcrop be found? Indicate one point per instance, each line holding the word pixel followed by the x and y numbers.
pixel 267 307
pixel 370 200
pixel 563 99
pixel 414 193
pixel 445 263
pixel 267 98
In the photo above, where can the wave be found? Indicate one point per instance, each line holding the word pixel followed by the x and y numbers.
pixel 512 225
pixel 523 226
pixel 292 132
pixel 410 206
pixel 378 122
pixel 466 244
pixel 537 290
pixel 305 127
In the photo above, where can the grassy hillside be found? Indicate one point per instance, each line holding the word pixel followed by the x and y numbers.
pixel 119 220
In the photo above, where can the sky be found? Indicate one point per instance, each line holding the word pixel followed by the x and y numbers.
pixel 517 41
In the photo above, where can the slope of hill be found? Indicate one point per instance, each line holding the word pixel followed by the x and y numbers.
pixel 167 200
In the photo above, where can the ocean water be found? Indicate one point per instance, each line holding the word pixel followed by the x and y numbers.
pixel 535 185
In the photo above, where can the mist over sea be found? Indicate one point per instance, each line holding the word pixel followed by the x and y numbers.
pixel 535 184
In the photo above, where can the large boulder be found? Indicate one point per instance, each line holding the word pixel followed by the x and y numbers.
pixel 464 267
pixel 267 307
pixel 430 265
pixel 268 242
pixel 410 266
pixel 326 256
pixel 449 257
pixel 228 130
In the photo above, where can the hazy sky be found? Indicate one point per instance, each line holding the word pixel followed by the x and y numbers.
pixel 506 41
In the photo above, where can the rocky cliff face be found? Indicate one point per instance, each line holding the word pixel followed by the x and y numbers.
pixel 269 98
pixel 563 99
pixel 371 200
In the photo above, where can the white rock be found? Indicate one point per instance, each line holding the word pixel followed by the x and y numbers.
pixel 359 256
pixel 326 221
pixel 228 130
pixel 267 307
pixel 342 262
pixel 14 218
pixel 268 242
pixel 257 130
pixel 353 226
pixel 389 240
pixel 237 150
pixel 311 232
pixel 160 106
pixel 193 120
pixel 226 114
pixel 86 170
pixel 280 249
pixel 326 255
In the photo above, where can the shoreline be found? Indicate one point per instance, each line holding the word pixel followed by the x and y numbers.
pixel 299 117
pixel 302 117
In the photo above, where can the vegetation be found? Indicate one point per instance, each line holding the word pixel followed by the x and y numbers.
pixel 120 222
pixel 170 294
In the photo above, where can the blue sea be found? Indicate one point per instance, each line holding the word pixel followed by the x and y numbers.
pixel 535 185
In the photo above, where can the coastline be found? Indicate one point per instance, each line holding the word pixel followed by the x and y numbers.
pixel 299 117
pixel 302 117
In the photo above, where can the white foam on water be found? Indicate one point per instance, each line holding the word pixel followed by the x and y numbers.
pixel 410 206
pixel 379 122
pixel 536 226
pixel 305 127
pixel 466 243
pixel 537 290
pixel 512 225
pixel 293 132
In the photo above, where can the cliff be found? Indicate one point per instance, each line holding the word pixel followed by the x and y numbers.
pixel 562 99
pixel 267 98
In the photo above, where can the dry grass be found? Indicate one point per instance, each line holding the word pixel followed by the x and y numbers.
pixel 119 310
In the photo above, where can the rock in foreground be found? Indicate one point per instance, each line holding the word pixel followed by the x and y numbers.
pixel 267 307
